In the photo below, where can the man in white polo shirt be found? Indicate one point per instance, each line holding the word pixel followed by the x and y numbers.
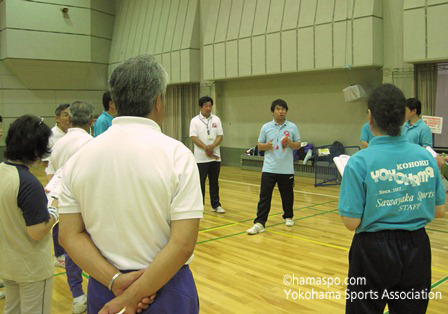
pixel 81 118
pixel 206 134
pixel 61 115
pixel 130 215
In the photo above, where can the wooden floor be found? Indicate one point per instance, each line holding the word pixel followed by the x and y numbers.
pixel 238 273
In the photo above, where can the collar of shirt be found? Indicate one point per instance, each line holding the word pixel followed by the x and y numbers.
pixel 409 126
pixel 387 139
pixel 276 124
pixel 202 117
pixel 58 129
pixel 76 129
pixel 107 114
pixel 128 120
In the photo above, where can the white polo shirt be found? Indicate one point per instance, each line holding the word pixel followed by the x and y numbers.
pixel 206 130
pixel 66 147
pixel 56 135
pixel 129 184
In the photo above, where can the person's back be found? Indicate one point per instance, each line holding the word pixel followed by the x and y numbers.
pixel 143 171
pixel 69 145
pixel 396 175
pixel 389 192
pixel 131 199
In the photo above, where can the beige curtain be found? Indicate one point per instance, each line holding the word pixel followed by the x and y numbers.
pixel 426 83
pixel 180 107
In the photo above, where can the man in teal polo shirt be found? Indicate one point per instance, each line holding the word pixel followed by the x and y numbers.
pixel 104 121
pixel 416 130
pixel 278 139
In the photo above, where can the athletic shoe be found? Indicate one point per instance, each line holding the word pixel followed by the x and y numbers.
pixel 2 284
pixel 2 295
pixel 59 261
pixel 289 222
pixel 218 210
pixel 79 304
pixel 257 228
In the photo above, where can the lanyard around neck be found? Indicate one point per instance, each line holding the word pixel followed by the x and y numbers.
pixel 207 123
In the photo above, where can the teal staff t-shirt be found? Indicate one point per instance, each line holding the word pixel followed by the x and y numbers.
pixel 391 185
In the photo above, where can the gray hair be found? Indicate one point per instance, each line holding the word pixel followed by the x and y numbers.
pixel 80 113
pixel 135 85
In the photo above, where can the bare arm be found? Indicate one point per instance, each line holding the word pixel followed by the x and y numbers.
pixel 265 146
pixel 39 231
pixel 440 211
pixel 217 141
pixel 198 142
pixel 78 244
pixel 351 223
pixel 294 145
pixel 49 177
pixel 166 264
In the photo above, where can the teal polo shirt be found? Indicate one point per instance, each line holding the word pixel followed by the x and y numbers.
pixel 366 133
pixel 280 160
pixel 418 133
pixel 103 122
pixel 391 185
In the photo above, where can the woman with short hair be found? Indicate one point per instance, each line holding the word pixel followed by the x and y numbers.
pixel 26 263
pixel 390 191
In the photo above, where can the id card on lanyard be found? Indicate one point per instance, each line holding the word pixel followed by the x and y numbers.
pixel 209 134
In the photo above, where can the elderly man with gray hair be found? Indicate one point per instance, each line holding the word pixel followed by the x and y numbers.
pixel 132 222
pixel 81 119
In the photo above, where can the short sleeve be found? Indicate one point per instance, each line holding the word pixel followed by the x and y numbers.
pixel 352 197
pixel 100 127
pixel 31 199
pixel 296 134
pixel 50 169
pixel 440 188
pixel 426 137
pixel 193 128
pixel 365 134
pixel 187 200
pixel 262 136
pixel 67 201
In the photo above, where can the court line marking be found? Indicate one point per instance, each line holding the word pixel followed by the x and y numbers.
pixel 322 212
pixel 65 273
pixel 234 222
pixel 311 241
pixel 438 283
pixel 297 191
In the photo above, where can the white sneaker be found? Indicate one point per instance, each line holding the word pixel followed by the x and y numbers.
pixel 218 210
pixel 2 295
pixel 79 304
pixel 289 222
pixel 257 228
pixel 59 261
